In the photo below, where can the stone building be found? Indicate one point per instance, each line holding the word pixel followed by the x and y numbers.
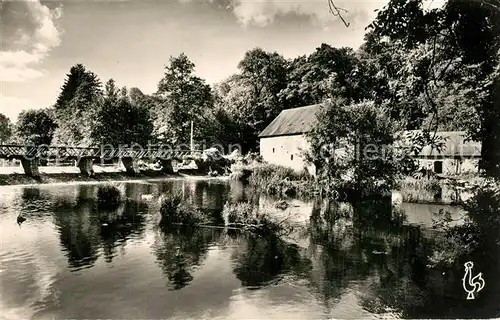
pixel 284 142
pixel 458 155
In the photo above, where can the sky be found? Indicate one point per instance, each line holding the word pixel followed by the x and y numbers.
pixel 132 41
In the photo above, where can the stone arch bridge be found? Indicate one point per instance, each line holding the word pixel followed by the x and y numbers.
pixel 30 156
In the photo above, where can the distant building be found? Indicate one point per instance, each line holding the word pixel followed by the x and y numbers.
pixel 283 142
pixel 458 156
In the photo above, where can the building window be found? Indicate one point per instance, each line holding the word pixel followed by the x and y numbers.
pixel 273 150
pixel 438 166
pixel 291 157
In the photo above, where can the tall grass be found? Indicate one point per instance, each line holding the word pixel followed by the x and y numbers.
pixel 174 210
pixel 281 181
pixel 421 190
pixel 248 217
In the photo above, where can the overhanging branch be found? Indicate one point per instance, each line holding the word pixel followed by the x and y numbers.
pixel 336 11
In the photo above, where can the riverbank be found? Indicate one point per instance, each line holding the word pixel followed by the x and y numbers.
pixel 10 176
pixel 437 190
pixel 284 182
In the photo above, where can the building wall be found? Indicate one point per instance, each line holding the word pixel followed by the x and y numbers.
pixel 279 151
pixel 451 166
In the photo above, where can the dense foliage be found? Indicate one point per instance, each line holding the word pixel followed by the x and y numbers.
pixel 5 128
pixel 424 69
pixel 183 97
pixel 120 120
pixel 352 147
pixel 36 127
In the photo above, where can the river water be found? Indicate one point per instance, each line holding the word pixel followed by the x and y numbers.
pixel 69 261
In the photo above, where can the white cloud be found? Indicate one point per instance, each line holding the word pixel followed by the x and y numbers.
pixel 11 107
pixel 263 12
pixel 30 33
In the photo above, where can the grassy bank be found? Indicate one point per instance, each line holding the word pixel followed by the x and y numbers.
pixel 449 190
pixel 275 180
pixel 45 178
pixel 285 182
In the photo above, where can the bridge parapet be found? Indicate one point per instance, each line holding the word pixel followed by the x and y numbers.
pixel 31 155
pixel 66 152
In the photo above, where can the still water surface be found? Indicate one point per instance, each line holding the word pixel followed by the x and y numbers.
pixel 68 260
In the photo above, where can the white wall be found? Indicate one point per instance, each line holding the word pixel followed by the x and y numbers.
pixel 452 166
pixel 279 151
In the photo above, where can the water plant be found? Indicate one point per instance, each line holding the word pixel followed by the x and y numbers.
pixel 174 210
pixel 420 190
pixel 249 217
pixel 281 181
pixel 108 197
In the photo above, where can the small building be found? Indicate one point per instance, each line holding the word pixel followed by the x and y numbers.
pixel 458 155
pixel 284 141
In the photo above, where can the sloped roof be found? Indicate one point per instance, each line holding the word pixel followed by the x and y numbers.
pixel 292 121
pixel 454 145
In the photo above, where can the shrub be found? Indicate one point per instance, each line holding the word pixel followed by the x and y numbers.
pixel 282 181
pixel 420 190
pixel 176 211
pixel 108 197
pixel 248 217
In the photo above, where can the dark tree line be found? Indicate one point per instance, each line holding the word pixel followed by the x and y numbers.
pixel 426 69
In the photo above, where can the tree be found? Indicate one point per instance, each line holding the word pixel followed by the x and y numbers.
pixel 352 148
pixel 111 92
pixel 136 96
pixel 451 57
pixel 248 101
pixel 5 129
pixel 233 111
pixel 36 127
pixel 121 122
pixel 184 97
pixel 265 74
pixel 79 83
pixel 77 105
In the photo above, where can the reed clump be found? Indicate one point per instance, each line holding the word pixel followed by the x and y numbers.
pixel 108 197
pixel 248 217
pixel 282 181
pixel 174 210
pixel 275 180
pixel 421 190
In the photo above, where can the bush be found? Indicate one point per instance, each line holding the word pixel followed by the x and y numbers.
pixel 176 211
pixel 108 197
pixel 420 190
pixel 281 181
pixel 248 217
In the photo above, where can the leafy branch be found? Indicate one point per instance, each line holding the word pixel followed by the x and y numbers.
pixel 335 10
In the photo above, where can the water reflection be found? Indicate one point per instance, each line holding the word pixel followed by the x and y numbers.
pixel 369 242
pixel 264 261
pixel 85 229
pixel 179 250
pixel 349 259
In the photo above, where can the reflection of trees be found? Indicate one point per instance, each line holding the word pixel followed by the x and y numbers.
pixel 179 250
pixel 411 271
pixel 127 220
pixel 437 291
pixel 367 240
pixel 83 228
pixel 266 260
pixel 78 231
